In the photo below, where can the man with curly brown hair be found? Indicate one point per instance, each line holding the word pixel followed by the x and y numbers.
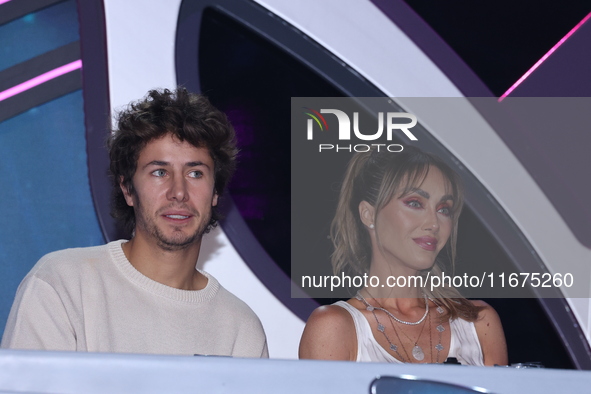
pixel 170 160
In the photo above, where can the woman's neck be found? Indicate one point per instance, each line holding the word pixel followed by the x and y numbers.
pixel 399 282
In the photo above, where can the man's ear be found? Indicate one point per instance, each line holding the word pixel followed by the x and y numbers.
pixel 367 214
pixel 214 202
pixel 126 192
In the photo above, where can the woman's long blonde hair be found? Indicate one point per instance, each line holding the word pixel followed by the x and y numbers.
pixel 378 177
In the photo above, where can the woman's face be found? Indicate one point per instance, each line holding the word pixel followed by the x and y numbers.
pixel 411 230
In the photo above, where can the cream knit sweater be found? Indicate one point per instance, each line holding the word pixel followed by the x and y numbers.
pixel 93 299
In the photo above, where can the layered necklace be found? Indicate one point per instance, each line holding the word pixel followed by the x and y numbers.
pixel 417 352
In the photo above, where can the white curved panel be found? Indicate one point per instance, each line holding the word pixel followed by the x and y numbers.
pixel 140 47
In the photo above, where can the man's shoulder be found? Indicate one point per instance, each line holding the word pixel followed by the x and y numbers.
pixel 234 303
pixel 237 319
pixel 230 304
pixel 69 260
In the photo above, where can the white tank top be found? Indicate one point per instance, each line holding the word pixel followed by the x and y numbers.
pixel 464 345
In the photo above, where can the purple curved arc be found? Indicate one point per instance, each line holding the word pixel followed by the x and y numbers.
pixel 40 79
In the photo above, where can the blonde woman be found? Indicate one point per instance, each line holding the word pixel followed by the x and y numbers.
pixel 396 213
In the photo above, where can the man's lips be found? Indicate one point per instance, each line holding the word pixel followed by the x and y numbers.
pixel 178 215
pixel 427 243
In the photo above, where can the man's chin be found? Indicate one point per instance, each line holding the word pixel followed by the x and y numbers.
pixel 178 241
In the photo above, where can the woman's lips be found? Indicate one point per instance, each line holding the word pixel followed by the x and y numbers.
pixel 427 243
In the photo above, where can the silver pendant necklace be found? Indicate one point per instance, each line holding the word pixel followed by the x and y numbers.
pixel 393 347
pixel 417 352
pixel 370 307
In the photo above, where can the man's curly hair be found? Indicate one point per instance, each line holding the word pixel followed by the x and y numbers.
pixel 186 116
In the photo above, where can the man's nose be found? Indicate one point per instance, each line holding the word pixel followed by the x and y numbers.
pixel 178 189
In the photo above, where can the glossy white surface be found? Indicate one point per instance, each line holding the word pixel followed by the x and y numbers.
pixel 52 372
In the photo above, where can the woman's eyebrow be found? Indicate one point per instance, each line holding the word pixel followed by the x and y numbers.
pixel 426 195
pixel 421 193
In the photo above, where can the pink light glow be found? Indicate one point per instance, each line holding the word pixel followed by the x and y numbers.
pixel 4 1
pixel 38 80
pixel 551 51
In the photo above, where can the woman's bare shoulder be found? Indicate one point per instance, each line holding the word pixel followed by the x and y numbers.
pixel 329 335
pixel 487 316
pixel 490 334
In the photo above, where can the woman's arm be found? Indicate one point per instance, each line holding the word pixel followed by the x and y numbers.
pixel 491 336
pixel 329 335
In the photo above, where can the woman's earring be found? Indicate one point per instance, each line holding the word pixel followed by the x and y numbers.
pixel 371 226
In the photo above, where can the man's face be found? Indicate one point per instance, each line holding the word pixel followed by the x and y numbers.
pixel 174 193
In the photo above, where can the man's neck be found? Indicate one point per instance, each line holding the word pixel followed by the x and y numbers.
pixel 174 268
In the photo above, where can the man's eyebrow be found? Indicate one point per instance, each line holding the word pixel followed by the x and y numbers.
pixel 166 163
pixel 195 164
pixel 157 163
